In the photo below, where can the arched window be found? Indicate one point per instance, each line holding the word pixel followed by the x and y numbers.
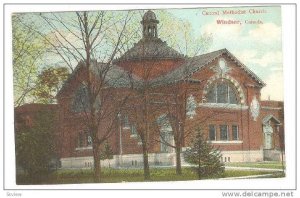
pixel 191 106
pixel 81 100
pixel 222 92
pixel 149 30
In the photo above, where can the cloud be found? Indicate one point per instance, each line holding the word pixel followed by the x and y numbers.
pixel 269 59
pixel 246 55
pixel 239 37
pixel 222 31
pixel 274 87
pixel 64 37
pixel 266 33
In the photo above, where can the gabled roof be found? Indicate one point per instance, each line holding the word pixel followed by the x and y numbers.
pixel 194 64
pixel 270 117
pixel 150 48
pixel 246 69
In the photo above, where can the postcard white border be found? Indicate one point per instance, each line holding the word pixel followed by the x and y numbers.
pixel 288 27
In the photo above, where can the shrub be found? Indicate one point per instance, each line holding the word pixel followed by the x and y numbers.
pixel 205 158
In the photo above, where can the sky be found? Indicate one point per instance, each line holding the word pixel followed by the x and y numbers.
pixel 258 46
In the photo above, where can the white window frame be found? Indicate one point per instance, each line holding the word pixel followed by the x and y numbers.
pixel 214 130
pixel 227 135
pixel 237 131
pixel 126 124
pixel 228 86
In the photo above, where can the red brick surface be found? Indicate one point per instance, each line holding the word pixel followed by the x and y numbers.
pixel 250 132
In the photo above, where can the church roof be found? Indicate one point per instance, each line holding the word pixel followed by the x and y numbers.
pixel 115 76
pixel 118 77
pixel 194 64
pixel 150 48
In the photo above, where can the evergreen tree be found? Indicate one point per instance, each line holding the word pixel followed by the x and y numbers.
pixel 107 153
pixel 205 157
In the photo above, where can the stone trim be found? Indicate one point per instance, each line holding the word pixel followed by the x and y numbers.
pixel 230 79
pixel 224 106
pixel 271 108
pixel 225 142
pixel 83 148
pixel 133 135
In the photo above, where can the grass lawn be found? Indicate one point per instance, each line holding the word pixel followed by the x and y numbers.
pixel 271 165
pixel 128 175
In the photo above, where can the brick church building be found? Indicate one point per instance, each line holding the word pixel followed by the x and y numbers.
pixel 222 97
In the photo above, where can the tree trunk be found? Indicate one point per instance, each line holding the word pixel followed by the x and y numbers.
pixel 146 163
pixel 199 170
pixel 282 150
pixel 97 167
pixel 199 165
pixel 282 162
pixel 178 161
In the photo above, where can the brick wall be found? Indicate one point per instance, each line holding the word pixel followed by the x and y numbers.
pixel 250 133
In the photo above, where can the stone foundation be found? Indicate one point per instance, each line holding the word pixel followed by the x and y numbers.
pixel 242 156
pixel 156 159
pixel 273 155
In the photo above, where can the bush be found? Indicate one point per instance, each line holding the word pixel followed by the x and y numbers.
pixel 35 149
pixel 205 158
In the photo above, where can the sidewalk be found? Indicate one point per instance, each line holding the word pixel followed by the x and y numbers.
pixel 246 177
pixel 251 168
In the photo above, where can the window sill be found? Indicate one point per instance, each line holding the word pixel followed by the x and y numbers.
pixel 133 135
pixel 226 142
pixel 83 148
pixel 224 105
